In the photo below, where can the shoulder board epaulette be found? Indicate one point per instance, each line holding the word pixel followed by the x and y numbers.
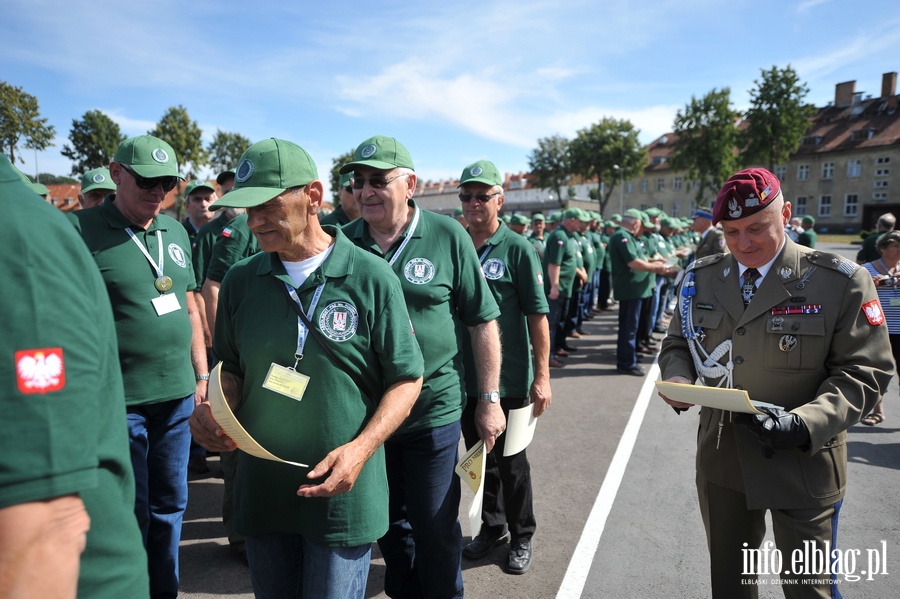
pixel 705 261
pixel 834 262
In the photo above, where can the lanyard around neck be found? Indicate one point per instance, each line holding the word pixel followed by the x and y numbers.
pixel 407 237
pixel 302 331
pixel 157 266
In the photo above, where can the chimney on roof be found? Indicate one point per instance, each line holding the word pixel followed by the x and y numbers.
pixel 844 92
pixel 888 85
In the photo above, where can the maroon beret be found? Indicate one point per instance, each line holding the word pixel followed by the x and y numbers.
pixel 745 193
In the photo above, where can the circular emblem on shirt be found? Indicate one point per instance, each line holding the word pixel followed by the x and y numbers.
pixel 368 151
pixel 493 268
pixel 177 255
pixel 338 321
pixel 244 170
pixel 160 155
pixel 419 271
pixel 98 178
pixel 477 171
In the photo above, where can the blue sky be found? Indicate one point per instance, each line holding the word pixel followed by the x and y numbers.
pixel 453 81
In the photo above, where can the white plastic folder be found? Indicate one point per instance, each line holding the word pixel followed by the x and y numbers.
pixel 226 419
pixel 471 469
pixel 733 400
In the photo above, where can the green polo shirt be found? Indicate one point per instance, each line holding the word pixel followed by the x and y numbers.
pixel 336 217
pixel 628 284
pixel 561 251
pixel 513 273
pixel 361 314
pixel 203 246
pixel 444 287
pixel 64 433
pixel 540 245
pixel 234 243
pixel 599 248
pixel 587 252
pixel 155 351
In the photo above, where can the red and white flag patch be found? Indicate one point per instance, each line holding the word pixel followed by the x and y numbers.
pixel 873 312
pixel 40 370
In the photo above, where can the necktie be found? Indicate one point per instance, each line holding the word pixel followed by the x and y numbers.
pixel 749 286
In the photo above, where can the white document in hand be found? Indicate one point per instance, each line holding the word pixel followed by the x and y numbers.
pixel 733 400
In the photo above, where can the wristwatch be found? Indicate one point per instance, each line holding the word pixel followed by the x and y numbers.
pixel 202 377
pixel 492 397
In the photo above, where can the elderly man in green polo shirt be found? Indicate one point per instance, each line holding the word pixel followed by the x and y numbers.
pixel 347 210
pixel 445 290
pixel 95 184
pixel 513 272
pixel 145 260
pixel 313 309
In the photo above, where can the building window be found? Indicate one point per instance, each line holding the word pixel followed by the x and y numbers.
pixel 676 209
pixel 695 184
pixel 879 196
pixel 854 168
pixel 824 206
pixel 881 184
pixel 781 172
pixel 629 186
pixel 803 172
pixel 851 205
pixel 660 184
pixel 828 170
pixel 800 206
pixel 676 183
pixel 643 186
pixel 883 160
pixel 882 172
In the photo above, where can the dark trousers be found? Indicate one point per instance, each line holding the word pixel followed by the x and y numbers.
pixel 626 343
pixel 644 326
pixel 558 308
pixel 732 530
pixel 605 289
pixel 572 319
pixel 507 480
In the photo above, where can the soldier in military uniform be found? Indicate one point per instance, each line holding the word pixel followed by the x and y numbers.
pixel 711 239
pixel 794 327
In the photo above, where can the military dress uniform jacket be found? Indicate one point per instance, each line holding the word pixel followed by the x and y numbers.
pixel 710 244
pixel 829 365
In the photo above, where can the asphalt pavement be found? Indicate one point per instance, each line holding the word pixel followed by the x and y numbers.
pixel 613 471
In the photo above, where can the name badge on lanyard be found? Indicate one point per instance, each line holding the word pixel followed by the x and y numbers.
pixel 285 380
pixel 164 303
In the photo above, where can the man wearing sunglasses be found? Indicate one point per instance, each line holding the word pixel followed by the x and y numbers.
pixel 348 210
pixel 444 289
pixel 513 272
pixel 145 260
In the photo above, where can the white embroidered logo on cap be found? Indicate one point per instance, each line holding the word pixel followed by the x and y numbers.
pixel 160 155
pixel 734 208
pixel 244 170
pixel 476 171
pixel 98 178
pixel 368 151
pixel 751 201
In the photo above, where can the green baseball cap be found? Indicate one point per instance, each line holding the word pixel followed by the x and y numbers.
pixel 148 156
pixel 458 211
pixel 482 171
pixel 595 215
pixel 519 219
pixel 380 152
pixel 97 178
pixel 197 184
pixel 654 212
pixel 808 220
pixel 634 213
pixel 345 179
pixel 671 223
pixel 554 217
pixel 645 220
pixel 616 218
pixel 538 216
pixel 506 218
pixel 267 169
pixel 37 188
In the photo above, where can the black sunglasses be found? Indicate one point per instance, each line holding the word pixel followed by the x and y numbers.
pixel 168 183
pixel 481 197
pixel 377 182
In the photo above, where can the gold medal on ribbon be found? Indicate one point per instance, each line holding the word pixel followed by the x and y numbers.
pixel 163 283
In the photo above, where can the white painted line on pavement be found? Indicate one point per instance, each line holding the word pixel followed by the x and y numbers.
pixel 576 575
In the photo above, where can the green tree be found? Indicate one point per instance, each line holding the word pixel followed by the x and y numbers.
pixel 707 140
pixel 550 165
pixel 51 179
pixel 335 176
pixel 94 141
pixel 183 134
pixel 777 118
pixel 609 151
pixel 20 120
pixel 225 150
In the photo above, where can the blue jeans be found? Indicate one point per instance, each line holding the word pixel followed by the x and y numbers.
pixel 160 441
pixel 626 348
pixel 285 566
pixel 422 548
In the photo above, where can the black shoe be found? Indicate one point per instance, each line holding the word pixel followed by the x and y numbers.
pixel 519 557
pixel 198 465
pixel 636 371
pixel 482 544
pixel 569 348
